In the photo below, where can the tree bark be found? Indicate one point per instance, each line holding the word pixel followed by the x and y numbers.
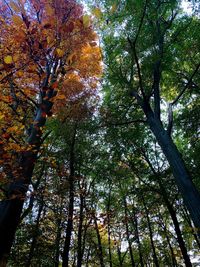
pixel 58 236
pixel 65 256
pixel 155 259
pixel 177 230
pixel 35 234
pixel 79 248
pixel 11 208
pixel 135 224
pixel 100 250
pixel 128 233
pixel 184 182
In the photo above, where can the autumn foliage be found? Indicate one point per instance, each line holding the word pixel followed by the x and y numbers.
pixel 48 50
pixel 50 64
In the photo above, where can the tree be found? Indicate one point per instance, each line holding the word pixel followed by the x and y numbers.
pixel 151 69
pixel 46 48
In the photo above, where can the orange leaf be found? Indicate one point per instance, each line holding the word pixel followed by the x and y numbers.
pixel 60 97
pixel 15 7
pixel 17 20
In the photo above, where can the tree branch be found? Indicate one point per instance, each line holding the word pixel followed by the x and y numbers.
pixel 186 86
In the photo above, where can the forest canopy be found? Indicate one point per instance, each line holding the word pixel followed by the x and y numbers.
pixel 99 133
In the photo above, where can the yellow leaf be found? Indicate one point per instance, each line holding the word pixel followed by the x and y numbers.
pixel 8 59
pixel 113 8
pixel 60 97
pixel 60 52
pixel 17 20
pixel 2 116
pixel 86 21
pixel 97 12
pixel 15 7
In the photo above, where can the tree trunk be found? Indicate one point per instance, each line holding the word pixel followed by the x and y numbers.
pixel 135 224
pixel 185 185
pixel 155 259
pixel 108 228
pixel 173 258
pixel 100 250
pixel 191 228
pixel 128 233
pixel 79 249
pixel 65 256
pixel 11 208
pixel 57 242
pixel 35 235
pixel 178 231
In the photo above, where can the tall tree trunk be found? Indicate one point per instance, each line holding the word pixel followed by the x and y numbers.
pixel 65 256
pixel 135 224
pixel 173 258
pixel 58 237
pixel 178 231
pixel 128 233
pixel 11 208
pixel 184 182
pixel 192 229
pixel 100 250
pixel 35 235
pixel 109 226
pixel 79 249
pixel 155 259
pixel 172 214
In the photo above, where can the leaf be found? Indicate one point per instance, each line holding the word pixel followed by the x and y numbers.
pixel 86 21
pixel 8 59
pixel 49 10
pixel 97 12
pixel 15 7
pixel 17 20
pixel 60 52
pixel 54 85
pixel 113 8
pixel 60 97
pixel 71 58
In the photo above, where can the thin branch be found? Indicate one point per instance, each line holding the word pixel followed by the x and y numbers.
pixel 132 44
pixel 123 123
pixel 186 86
pixel 170 119
pixel 141 22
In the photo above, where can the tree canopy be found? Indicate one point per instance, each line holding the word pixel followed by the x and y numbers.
pixel 99 136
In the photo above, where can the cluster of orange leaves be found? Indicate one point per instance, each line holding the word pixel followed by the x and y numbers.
pixel 43 40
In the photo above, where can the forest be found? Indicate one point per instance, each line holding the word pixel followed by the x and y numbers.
pixel 99 133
